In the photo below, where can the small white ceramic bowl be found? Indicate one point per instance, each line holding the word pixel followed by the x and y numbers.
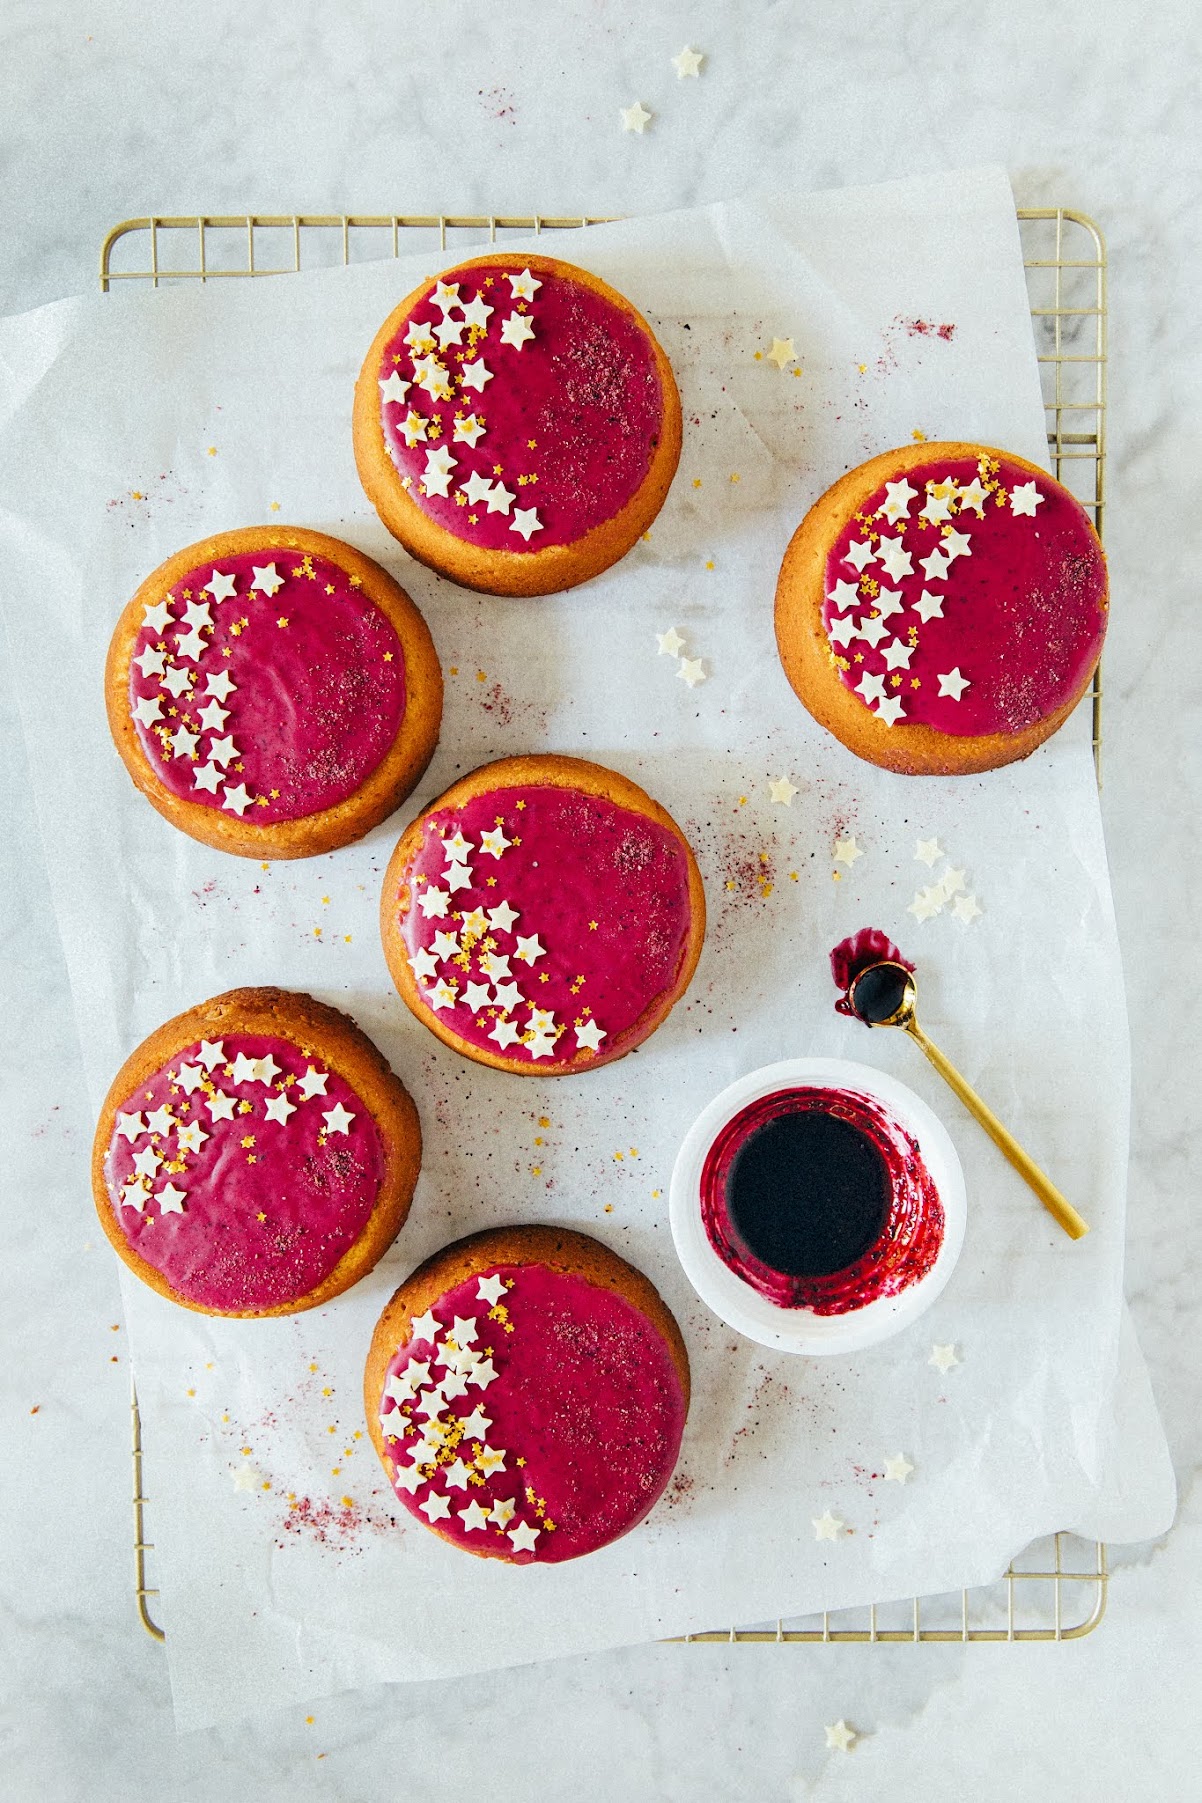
pixel 800 1329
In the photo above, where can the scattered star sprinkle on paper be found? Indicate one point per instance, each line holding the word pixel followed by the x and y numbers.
pixel 827 1526
pixel 782 352
pixel 688 63
pixel 897 1469
pixel 635 118
pixel 847 851
pixel 671 643
pixel 246 1477
pixel 782 792
pixel 944 1358
pixel 839 1736
pixel 692 671
pixel 929 851
pixel 966 908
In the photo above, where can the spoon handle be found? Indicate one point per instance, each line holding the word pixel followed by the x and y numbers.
pixel 1048 1194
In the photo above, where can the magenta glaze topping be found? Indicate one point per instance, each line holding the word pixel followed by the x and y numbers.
pixel 267 685
pixel 909 1239
pixel 970 597
pixel 532 1415
pixel 242 1171
pixel 544 922
pixel 519 411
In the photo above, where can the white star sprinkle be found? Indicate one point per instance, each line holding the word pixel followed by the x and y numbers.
pixel 782 792
pixel 419 336
pixel 589 1036
pixel 842 630
pixel 494 842
pixel 929 606
pixel 266 580
pixel 408 1477
pixel 635 118
pixel 433 902
pixel 897 1469
pixel 505 1032
pixel 929 852
pixel 223 751
pixel 524 286
pixel 477 488
pixel 501 498
pixel 944 1358
pixel 197 614
pixel 445 945
pixel 148 710
pixel 891 711
pixel 935 508
pixel 506 997
pixel 524 1537
pixel 177 681
pixel 211 1053
pixel 839 1736
pixel 476 996
pixel 688 63
pixel 671 643
pixel 936 566
pixel 895 558
pixel 171 1200
pixel 477 1424
pixel 468 431
pixel 192 1137
pixel 237 800
pixel 529 950
pixel 244 1069
pixel 897 656
pixel 847 850
pixel 455 1475
pixel 495 966
pixel 951 683
pixel 827 1526
pixel 952 882
pixel 860 552
pixel 220 1106
pixel 424 966
pixel 441 996
pixel 956 544
pixel 1025 499
pixel 449 331
pixel 482 1374
pixel 473 1516
pixel 412 428
pixel 392 388
pixel 221 586
pixel 425 1327
pixel 889 602
pixel 147 1162
pixel 220 685
pixel 973 496
pixel 156 617
pixel 313 1083
pixel 207 776
pixel 160 1121
pixel 476 313
pixel 899 496
pixel 782 352
pixel 871 687
pixel 445 296
pixel 151 662
pixel 213 716
pixel 189 1077
pixel 246 1477
pixel 926 904
pixel 475 375
pixel 872 630
pixel 516 330
pixel 502 917
pixel 435 1506
pixel 691 670
pixel 491 1289
pixel 135 1195
pixel 525 520
pixel 278 1108
pixel 436 480
pixel 190 645
pixel 502 1511
pixel 844 595
pixel 966 908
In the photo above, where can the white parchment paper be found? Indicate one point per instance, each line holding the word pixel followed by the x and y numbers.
pixel 131 425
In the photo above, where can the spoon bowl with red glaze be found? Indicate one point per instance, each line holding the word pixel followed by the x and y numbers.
pixel 817 1206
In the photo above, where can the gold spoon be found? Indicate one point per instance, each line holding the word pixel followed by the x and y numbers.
pixel 886 995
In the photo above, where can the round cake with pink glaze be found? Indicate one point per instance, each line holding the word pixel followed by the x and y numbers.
pixel 526 1391
pixel 516 424
pixel 543 915
pixel 255 1156
pixel 942 608
pixel 273 692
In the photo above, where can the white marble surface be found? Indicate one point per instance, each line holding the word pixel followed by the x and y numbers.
pixel 111 110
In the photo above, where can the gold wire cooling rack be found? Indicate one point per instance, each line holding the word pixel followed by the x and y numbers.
pixel 1056 1590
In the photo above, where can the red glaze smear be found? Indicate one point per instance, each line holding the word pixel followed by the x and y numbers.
pixel 908 1244
pixel 852 955
pixel 287 701
pixel 583 1405
pixel 269 1206
pixel 601 905
pixel 571 416
pixel 1023 600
